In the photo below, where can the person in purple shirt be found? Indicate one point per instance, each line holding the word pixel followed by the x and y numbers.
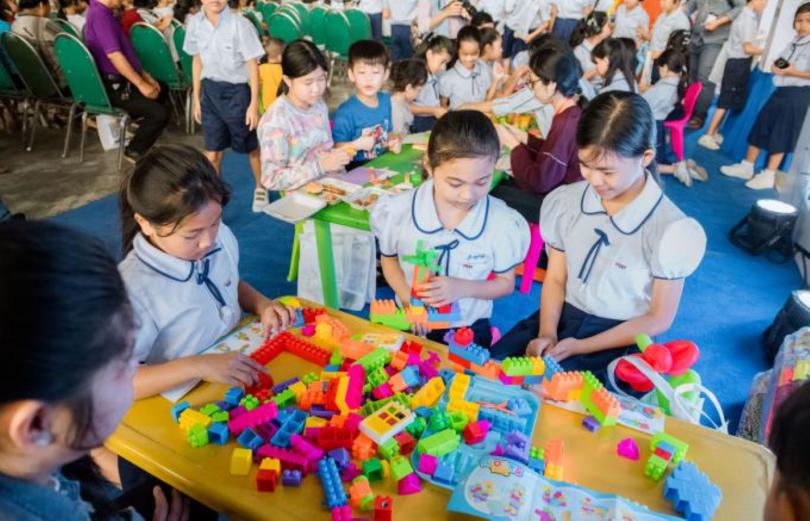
pixel 129 86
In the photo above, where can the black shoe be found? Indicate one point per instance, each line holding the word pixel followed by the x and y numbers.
pixel 132 156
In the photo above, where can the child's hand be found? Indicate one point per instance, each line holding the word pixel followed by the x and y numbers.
pixel 197 111
pixel 439 112
pixel 565 348
pixel 539 346
pixel 395 144
pixel 787 71
pixel 365 142
pixel 420 329
pixel 178 510
pixel 229 368
pixel 440 291
pixel 506 137
pixel 252 116
pixel 275 317
pixel 334 160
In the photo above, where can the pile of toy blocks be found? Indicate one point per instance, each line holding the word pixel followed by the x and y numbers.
pixel 665 450
pixel 467 356
pixel 602 406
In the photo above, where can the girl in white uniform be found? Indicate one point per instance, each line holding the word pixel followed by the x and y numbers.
pixel 615 60
pixel 182 273
pixel 619 249
pixel 469 80
pixel 427 108
pixel 474 233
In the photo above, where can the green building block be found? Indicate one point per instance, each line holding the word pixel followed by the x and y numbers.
pixel 680 446
pixel 336 358
pixel 309 378
pixel 221 417
pixel 396 321
pixel 590 383
pixel 400 467
pixel 655 467
pixel 197 436
pixel 377 377
pixel 285 398
pixel 417 427
pixel 438 420
pixel 458 420
pixel 372 469
pixel 537 453
pixel 440 443
pixel 374 360
pixel 366 503
pixel 249 402
pixel 517 366
pixel 389 449
pixel 209 409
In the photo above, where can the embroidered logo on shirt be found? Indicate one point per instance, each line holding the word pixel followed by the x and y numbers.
pixel 621 266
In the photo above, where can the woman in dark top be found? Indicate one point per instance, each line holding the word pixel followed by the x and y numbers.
pixel 541 165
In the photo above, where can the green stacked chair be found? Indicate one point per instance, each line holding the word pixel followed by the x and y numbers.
pixel 359 25
pixel 67 27
pixel 283 27
pixel 338 34
pixel 186 65
pixel 156 57
pixel 90 96
pixel 303 16
pixel 317 25
pixel 40 85
pixel 267 9
pixel 292 12
pixel 9 89
pixel 250 15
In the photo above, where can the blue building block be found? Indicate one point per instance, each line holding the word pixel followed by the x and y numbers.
pixel 341 456
pixel 178 408
pixel 666 447
pixel 447 375
pixel 279 387
pixel 691 493
pixel 234 395
pixel 537 465
pixel 532 380
pixel 454 316
pixel 423 411
pixel 299 318
pixel 218 433
pixel 249 439
pixel 473 353
pixel 519 406
pixel 552 367
pixel 334 495
pixel 411 376
pixel 444 473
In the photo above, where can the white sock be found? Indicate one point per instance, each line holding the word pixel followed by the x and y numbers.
pixel 768 172
pixel 747 164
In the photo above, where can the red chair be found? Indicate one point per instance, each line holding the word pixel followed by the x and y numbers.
pixel 677 126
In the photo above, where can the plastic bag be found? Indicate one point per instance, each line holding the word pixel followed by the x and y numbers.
pixel 355 261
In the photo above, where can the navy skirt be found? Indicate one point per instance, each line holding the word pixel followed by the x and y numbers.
pixel 734 89
pixel 780 121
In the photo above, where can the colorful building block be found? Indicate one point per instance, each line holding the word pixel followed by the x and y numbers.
pixel 241 460
pixel 409 484
pixel 427 464
pixel 266 481
pixel 386 313
pixel 552 367
pixel 691 493
pixel 627 448
pixel 591 423
pixel 291 478
pixel 400 467
pixel 563 387
pixel 385 423
pixel 197 436
pixel 360 494
pixel 476 431
pixel 372 469
pixel 218 433
pixel 383 508
pixel 655 467
pixel 680 447
pixel 177 410
pixel 334 494
pixel 440 443
pixel 189 417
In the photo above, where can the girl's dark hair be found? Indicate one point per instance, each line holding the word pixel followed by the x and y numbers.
pixel 804 8
pixel 679 40
pixel 462 134
pixel 621 55
pixel 435 44
pixel 30 4
pixel 64 4
pixel 618 122
pixel 144 4
pixel 481 18
pixel 64 316
pixel 788 440
pixel 558 66
pixel 489 37
pixel 678 63
pixel 547 41
pixel 300 58
pixel 183 7
pixel 468 33
pixel 167 185
pixel 587 27
pixel 408 72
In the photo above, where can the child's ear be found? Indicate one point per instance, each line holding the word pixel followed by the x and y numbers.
pixel 351 75
pixel 647 157
pixel 287 82
pixel 146 228
pixel 387 73
pixel 29 425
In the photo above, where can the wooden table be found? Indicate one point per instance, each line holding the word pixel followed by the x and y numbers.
pixel 149 438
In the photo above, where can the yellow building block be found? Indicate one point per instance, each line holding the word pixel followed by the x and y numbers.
pixel 271 464
pixel 190 417
pixel 241 460
pixel 429 394
pixel 299 389
pixel 314 422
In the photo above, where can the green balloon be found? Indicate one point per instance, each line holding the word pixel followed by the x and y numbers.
pixel 643 340
pixel 689 377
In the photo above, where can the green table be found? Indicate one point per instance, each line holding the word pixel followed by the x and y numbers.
pixel 408 160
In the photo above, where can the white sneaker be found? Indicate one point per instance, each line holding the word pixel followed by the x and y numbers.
pixel 696 171
pixel 707 141
pixel 740 170
pixel 682 174
pixel 718 138
pixel 260 200
pixel 762 181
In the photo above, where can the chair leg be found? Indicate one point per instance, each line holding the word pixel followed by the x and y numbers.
pixel 71 117
pixel 295 256
pixel 189 113
pixel 533 257
pixel 34 118
pixel 122 141
pixel 84 136
pixel 24 120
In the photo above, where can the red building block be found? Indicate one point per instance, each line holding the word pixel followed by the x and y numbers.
pixel 308 351
pixel 265 382
pixel 266 481
pixel 406 443
pixel 310 314
pixel 464 336
pixel 475 432
pixel 383 508
pixel 335 437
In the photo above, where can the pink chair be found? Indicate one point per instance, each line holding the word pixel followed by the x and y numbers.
pixel 677 126
pixel 532 258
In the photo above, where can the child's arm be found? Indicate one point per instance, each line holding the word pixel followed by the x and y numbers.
pixel 421 110
pixel 441 291
pixel 552 299
pixel 252 115
pixel 274 316
pixel 666 297
pixel 196 86
pixel 751 50
pixel 395 278
pixel 444 101
pixel 791 70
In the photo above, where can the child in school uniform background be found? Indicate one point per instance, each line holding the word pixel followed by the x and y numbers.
pixel 436 52
pixel 401 13
pixel 619 249
pixel 670 19
pixel 588 33
pixel 226 49
pixel 408 78
pixel 631 20
pixel 569 12
pixel 452 213
pixel 469 80
pixel 615 60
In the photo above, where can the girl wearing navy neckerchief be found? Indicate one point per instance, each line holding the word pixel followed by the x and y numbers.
pixel 182 273
pixel 619 249
pixel 474 234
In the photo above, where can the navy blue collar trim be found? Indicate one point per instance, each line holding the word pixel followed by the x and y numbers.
pixel 612 221
pixel 172 277
pixel 440 227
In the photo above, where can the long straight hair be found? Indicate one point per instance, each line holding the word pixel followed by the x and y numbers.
pixel 300 58
pixel 621 55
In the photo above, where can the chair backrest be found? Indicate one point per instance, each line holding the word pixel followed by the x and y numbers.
pixel 317 25
pixel 179 37
pixel 255 21
pixel 303 16
pixel 292 12
pixel 283 27
pixel 155 55
pixel 67 27
pixel 82 74
pixel 338 37
pixel 29 64
pixel 7 85
pixel 267 9
pixel 690 99
pixel 359 25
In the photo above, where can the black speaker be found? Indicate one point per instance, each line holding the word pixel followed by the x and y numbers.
pixel 768 228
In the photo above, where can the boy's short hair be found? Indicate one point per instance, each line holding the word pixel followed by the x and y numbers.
pixel 30 4
pixel 274 46
pixel 788 440
pixel 369 52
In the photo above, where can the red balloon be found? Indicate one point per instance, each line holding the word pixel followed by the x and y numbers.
pixel 659 358
pixel 627 372
pixel 684 355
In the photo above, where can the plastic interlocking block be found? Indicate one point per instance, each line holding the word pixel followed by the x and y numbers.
pixel 360 494
pixel 241 460
pixel 372 469
pixel 551 366
pixel 475 432
pixel 383 508
pixel 428 463
pixel 627 448
pixel 655 467
pixel 333 491
pixel 439 443
pixel 563 387
pixel 680 447
pixel 691 492
pixel 198 436
pixel 218 433
pixel 591 423
pixel 291 478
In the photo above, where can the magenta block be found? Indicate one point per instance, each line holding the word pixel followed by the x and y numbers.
pixel 308 330
pixel 627 448
pixel 410 484
pixel 427 464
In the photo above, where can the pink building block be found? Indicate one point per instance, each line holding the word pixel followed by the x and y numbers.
pixel 343 513
pixel 627 448
pixel 350 472
pixel 354 393
pixel 308 330
pixel 408 485
pixel 309 451
pixel 428 463
pixel 289 459
pixel 382 391
pixel 353 421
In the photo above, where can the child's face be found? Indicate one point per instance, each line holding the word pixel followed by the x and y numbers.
pixel 610 174
pixel 802 24
pixel 192 239
pixel 437 61
pixel 307 90
pixel 461 183
pixel 368 78
pixel 778 505
pixel 468 54
pixel 542 91
pixel 602 65
pixel 494 51
pixel 411 92
pixel 214 6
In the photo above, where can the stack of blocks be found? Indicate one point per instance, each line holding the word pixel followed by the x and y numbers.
pixel 598 401
pixel 553 457
pixel 691 493
pixel 665 449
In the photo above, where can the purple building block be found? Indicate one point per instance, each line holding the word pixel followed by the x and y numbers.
pixel 341 456
pixel 428 463
pixel 291 478
pixel 591 423
pixel 350 472
pixel 517 447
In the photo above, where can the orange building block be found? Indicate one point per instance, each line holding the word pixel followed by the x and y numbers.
pixel 562 386
pixel 363 448
pixel 339 329
pixel 399 360
pixel 554 452
pixel 383 307
pixel 354 349
pixel 606 402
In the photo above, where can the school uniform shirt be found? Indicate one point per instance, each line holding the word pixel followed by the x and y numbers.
pixel 572 9
pixel 224 49
pixel 427 9
pixel 291 141
pixel 662 97
pixel 77 21
pixel 665 25
pixel 613 260
pixel 401 116
pixel 181 307
pixel 798 54
pixel 701 10
pixel 520 59
pixel 743 30
pixel 461 85
pixel 354 118
pixel 619 84
pixel 628 21
pixel 491 238
pixel 403 12
pixel 494 7
pixel 524 15
pixel 582 53
pixel 370 6
pixel 429 95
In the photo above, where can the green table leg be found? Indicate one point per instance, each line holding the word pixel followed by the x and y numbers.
pixel 326 263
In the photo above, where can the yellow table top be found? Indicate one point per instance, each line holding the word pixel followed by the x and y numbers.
pixel 149 438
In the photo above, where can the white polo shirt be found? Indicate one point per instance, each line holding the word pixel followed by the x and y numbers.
pixel 429 95
pixel 662 97
pixel 612 261
pixel 181 307
pixel 665 25
pixel 572 9
pixel 491 238
pixel 628 21
pixel 461 85
pixel 798 54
